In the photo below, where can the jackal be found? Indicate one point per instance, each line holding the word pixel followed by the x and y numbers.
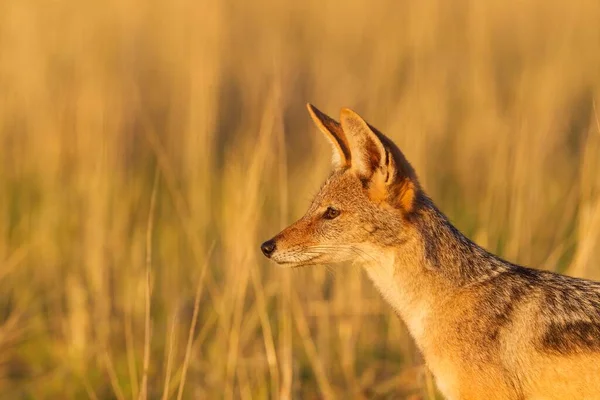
pixel 487 328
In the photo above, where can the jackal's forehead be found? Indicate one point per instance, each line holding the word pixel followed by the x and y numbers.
pixel 341 189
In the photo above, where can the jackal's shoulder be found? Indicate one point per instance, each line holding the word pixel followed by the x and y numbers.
pixel 565 310
pixel 570 310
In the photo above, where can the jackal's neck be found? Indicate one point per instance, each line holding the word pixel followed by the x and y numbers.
pixel 430 267
pixel 449 253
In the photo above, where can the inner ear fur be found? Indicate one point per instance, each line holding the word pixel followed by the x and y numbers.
pixel 403 185
pixel 379 162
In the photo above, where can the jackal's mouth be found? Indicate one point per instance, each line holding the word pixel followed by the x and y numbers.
pixel 296 261
pixel 321 254
pixel 293 264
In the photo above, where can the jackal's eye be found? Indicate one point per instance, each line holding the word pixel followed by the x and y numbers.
pixel 331 213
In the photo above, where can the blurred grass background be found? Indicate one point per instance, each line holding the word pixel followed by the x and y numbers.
pixel 147 148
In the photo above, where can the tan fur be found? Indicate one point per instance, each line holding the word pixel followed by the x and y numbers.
pixel 488 329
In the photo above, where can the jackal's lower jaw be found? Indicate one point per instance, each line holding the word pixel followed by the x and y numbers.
pixel 307 257
pixel 295 260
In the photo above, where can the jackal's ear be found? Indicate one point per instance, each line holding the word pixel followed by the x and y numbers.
pixel 334 133
pixel 379 162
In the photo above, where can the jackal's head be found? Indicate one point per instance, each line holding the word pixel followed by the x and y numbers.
pixel 364 206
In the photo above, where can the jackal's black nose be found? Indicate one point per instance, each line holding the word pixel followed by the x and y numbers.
pixel 268 247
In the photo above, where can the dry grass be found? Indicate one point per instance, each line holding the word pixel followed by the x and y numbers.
pixel 102 258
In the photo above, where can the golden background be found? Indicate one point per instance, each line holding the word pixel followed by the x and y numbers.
pixel 147 148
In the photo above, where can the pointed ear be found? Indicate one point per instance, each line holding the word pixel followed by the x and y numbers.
pixel 334 133
pixel 368 153
pixel 380 164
